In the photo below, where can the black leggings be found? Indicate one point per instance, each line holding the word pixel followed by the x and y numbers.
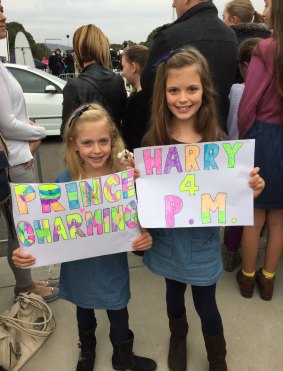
pixel 204 302
pixel 119 323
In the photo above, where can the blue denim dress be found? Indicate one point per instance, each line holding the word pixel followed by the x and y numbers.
pixel 269 158
pixel 95 283
pixel 188 255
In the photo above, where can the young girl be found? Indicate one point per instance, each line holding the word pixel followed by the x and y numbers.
pixel 93 143
pixel 261 117
pixel 137 112
pixel 246 22
pixel 183 111
pixel 241 11
pixel 233 235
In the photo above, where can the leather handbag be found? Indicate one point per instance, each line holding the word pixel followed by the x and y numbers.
pixel 24 328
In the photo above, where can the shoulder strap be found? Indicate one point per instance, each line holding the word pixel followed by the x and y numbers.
pixel 95 85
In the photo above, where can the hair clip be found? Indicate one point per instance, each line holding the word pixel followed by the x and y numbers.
pixel 167 56
pixel 79 113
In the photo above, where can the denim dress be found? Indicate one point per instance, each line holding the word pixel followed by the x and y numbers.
pixel 95 283
pixel 188 255
pixel 269 158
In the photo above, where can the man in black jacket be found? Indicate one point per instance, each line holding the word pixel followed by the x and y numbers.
pixel 198 25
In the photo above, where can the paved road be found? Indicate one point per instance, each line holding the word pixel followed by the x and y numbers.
pixel 51 154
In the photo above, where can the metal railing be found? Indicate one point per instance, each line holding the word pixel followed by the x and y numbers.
pixel 68 76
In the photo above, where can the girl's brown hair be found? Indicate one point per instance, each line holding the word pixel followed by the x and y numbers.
pixel 207 124
pixel 246 49
pixel 136 54
pixel 90 113
pixel 244 11
pixel 276 17
pixel 90 44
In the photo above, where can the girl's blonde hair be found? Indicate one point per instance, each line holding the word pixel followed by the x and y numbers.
pixel 206 123
pixel 90 113
pixel 90 44
pixel 244 11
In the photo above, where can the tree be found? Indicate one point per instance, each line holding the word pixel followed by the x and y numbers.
pixel 38 50
pixel 116 47
pixel 150 37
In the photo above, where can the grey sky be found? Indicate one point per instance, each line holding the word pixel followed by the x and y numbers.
pixel 119 19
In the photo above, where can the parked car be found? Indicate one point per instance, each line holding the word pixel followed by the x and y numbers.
pixel 43 95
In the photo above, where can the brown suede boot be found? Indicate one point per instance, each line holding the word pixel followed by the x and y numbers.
pixel 246 284
pixel 265 285
pixel 177 356
pixel 216 352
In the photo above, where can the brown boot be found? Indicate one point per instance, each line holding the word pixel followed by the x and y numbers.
pixel 246 284
pixel 177 356
pixel 216 352
pixel 265 285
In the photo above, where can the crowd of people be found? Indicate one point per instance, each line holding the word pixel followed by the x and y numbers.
pixel 203 79
pixel 59 64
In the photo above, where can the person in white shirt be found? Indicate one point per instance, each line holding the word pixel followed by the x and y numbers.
pixel 22 139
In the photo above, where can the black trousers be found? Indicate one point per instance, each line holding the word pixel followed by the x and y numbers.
pixel 119 323
pixel 204 302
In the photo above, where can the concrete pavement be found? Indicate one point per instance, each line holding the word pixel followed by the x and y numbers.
pixel 253 328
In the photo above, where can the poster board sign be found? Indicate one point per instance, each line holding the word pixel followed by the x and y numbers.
pixel 58 222
pixel 195 185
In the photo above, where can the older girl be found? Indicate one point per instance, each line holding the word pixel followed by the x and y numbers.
pixel 183 111
pixel 260 116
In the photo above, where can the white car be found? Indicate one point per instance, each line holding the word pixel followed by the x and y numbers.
pixel 43 94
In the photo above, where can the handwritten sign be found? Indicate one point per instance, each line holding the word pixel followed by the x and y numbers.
pixel 195 185
pixel 76 220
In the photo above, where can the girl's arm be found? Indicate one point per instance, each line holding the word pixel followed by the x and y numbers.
pixel 22 259
pixel 256 183
pixel 144 241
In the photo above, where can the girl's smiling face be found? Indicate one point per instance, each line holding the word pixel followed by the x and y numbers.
pixel 93 142
pixel 184 93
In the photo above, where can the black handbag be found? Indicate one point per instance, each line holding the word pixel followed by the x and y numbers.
pixel 4 173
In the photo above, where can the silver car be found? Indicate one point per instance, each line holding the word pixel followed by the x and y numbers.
pixel 43 94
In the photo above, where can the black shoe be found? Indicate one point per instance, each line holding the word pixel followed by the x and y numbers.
pixel 87 353
pixel 86 361
pixel 124 359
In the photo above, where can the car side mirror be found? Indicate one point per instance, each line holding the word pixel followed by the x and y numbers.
pixel 50 89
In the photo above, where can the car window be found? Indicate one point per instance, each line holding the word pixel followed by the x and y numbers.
pixel 30 82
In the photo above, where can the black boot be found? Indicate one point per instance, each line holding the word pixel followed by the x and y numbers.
pixel 177 356
pixel 87 354
pixel 124 359
pixel 216 352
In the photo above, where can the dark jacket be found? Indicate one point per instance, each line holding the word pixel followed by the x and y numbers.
pixel 246 31
pixel 108 90
pixel 136 120
pixel 199 27
pixel 55 64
